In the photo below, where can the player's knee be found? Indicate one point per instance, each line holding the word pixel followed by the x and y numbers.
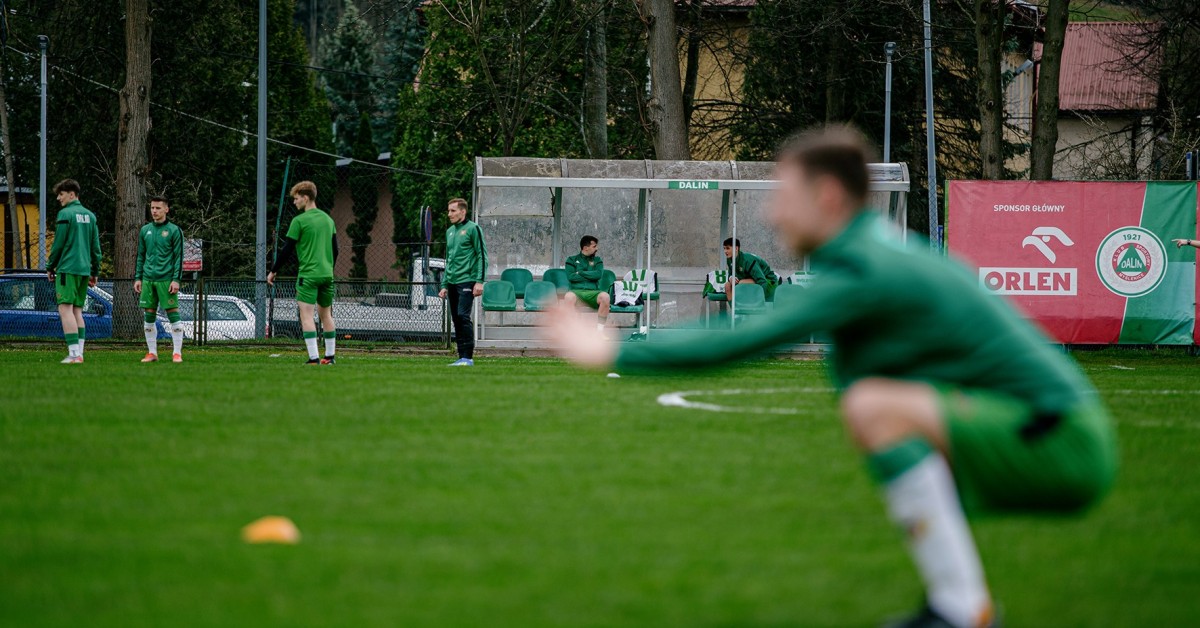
pixel 865 409
pixel 603 299
pixel 570 298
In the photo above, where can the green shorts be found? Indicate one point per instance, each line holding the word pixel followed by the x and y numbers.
pixel 590 298
pixel 315 290
pixel 158 293
pixel 71 289
pixel 1006 458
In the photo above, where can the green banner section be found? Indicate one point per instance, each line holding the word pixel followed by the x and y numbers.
pixel 692 185
pixel 1165 315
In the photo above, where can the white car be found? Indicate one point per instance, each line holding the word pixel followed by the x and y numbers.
pixel 229 318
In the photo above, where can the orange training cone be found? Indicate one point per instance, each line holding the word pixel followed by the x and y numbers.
pixel 271 530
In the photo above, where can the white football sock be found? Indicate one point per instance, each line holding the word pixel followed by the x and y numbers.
pixel 311 343
pixel 924 502
pixel 151 331
pixel 74 351
pixel 81 341
pixel 330 345
pixel 177 337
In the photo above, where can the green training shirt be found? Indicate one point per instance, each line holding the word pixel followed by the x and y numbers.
pixel 751 266
pixel 897 313
pixel 466 255
pixel 313 231
pixel 160 252
pixel 585 272
pixel 76 249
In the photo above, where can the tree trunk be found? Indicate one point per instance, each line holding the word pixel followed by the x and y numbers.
pixel 989 37
pixel 1045 127
pixel 834 98
pixel 665 108
pixel 692 72
pixel 132 163
pixel 14 248
pixel 595 105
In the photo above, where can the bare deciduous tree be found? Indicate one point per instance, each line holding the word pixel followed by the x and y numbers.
pixel 665 108
pixel 1045 128
pixel 133 164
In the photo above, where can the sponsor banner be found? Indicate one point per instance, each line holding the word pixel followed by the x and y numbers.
pixel 1091 262
pixel 193 256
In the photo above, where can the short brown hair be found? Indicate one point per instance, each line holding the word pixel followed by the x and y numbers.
pixel 838 151
pixel 159 198
pixel 461 202
pixel 307 188
pixel 66 185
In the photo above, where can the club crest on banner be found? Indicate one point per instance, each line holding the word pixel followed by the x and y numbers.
pixel 1131 261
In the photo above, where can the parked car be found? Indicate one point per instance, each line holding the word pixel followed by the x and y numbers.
pixel 28 308
pixel 228 317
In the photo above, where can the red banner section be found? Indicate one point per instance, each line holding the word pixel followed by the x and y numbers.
pixel 1092 262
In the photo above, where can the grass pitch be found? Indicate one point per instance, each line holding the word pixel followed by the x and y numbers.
pixel 525 493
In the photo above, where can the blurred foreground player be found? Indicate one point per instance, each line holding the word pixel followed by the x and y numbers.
pixel 954 400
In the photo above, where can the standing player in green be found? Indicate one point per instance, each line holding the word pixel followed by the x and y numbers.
pixel 466 263
pixel 157 276
pixel 73 265
pixel 312 237
pixel 953 399
pixel 585 271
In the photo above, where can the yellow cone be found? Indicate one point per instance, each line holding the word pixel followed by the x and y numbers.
pixel 271 530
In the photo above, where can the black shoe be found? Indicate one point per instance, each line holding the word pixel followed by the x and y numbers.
pixel 929 618
pixel 313 361
pixel 329 359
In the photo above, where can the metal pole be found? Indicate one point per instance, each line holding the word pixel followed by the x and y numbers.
pixel 44 45
pixel 732 296
pixel 889 49
pixel 930 153
pixel 260 231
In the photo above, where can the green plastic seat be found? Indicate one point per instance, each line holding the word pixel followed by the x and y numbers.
pixel 519 277
pixel 749 298
pixel 540 296
pixel 788 295
pixel 499 296
pixel 607 279
pixel 560 279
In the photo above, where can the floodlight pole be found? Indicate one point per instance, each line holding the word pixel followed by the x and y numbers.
pixel 889 49
pixel 44 45
pixel 930 153
pixel 260 227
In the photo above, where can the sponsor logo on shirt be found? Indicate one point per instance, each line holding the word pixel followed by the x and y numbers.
pixel 1055 282
pixel 83 219
pixel 164 233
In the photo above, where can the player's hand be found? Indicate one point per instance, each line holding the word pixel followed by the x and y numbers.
pixel 174 289
pixel 573 336
pixel 477 290
pixel 50 275
pixel 137 286
pixel 442 293
pixel 1180 242
pixel 270 279
pixel 92 281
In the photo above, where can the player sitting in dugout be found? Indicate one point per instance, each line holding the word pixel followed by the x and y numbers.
pixel 749 268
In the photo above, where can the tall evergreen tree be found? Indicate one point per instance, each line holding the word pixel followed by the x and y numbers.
pixel 403 48
pixel 349 85
pixel 363 181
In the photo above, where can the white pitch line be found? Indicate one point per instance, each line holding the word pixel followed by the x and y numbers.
pixel 680 399
pixel 1136 391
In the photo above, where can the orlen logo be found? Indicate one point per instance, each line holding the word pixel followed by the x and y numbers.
pixel 1055 282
